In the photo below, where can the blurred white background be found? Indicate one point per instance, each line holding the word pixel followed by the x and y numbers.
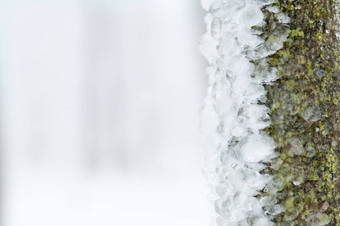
pixel 100 113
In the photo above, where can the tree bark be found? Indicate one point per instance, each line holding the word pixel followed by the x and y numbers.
pixel 305 112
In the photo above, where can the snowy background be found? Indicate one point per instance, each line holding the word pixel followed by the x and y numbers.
pixel 99 113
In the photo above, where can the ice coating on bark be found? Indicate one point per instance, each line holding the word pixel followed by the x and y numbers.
pixel 232 116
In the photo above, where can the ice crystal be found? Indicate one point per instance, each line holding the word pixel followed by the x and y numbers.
pixel 232 116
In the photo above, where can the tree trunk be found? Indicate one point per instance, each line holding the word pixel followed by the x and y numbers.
pixel 304 108
pixel 282 63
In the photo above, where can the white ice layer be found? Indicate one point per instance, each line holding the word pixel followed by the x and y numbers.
pixel 232 119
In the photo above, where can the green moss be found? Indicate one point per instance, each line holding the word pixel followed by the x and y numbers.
pixel 304 107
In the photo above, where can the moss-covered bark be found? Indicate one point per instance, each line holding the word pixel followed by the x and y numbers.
pixel 305 113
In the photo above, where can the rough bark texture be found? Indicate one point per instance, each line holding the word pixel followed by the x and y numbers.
pixel 305 113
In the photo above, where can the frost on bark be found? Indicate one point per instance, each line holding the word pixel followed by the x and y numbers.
pixel 272 113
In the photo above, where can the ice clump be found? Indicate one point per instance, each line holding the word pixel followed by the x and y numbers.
pixel 311 114
pixel 232 118
pixel 251 16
